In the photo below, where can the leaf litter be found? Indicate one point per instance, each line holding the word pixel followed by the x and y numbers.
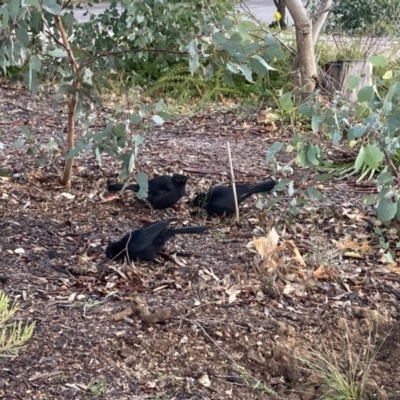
pixel 221 316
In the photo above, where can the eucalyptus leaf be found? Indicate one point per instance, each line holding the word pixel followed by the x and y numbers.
pixel 313 193
pixel 373 156
pixel 157 119
pixel 353 82
pixel 263 62
pixel 52 7
pixel 365 94
pixel 59 52
pixel 143 182
pixel 286 101
pixel 378 61
pixel 273 149
pixel 387 209
pixel 322 177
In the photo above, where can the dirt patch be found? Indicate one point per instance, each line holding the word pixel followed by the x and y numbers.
pixel 233 332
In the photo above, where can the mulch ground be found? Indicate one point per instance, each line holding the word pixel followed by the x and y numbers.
pixel 210 319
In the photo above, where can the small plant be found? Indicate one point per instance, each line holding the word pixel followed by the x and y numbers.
pixel 12 335
pixel 250 381
pixel 88 304
pixel 98 388
pixel 346 375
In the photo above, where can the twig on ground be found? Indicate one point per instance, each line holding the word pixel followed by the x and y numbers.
pixel 233 182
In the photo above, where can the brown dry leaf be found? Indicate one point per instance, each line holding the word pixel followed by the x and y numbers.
pixel 289 290
pixel 245 125
pixel 271 127
pixel 323 273
pixel 232 292
pixel 352 245
pixel 252 288
pixel 108 199
pixel 297 256
pixel 394 268
pixel 357 216
pixel 267 116
pixel 267 247
pixel 178 261
pixel 352 254
pixel 300 274
pixel 204 171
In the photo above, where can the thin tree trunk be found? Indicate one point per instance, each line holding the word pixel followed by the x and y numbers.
pixel 304 69
pixel 319 17
pixel 66 177
pixel 69 162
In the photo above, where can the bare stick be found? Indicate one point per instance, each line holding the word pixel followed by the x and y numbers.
pixel 233 182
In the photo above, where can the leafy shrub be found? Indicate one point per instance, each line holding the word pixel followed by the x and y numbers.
pixel 372 127
pixel 357 17
pixel 14 335
pixel 165 27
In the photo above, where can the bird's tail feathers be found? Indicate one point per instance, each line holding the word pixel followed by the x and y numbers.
pixel 188 229
pixel 116 187
pixel 261 187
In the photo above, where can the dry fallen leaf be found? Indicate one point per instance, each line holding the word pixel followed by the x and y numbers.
pixel 232 292
pixel 297 256
pixel 267 116
pixel 352 254
pixel 349 244
pixel 323 273
pixel 267 247
pixel 357 215
pixel 205 380
pixel 68 196
pixel 108 199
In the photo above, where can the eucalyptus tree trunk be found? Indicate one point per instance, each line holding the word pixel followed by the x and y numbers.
pixel 308 28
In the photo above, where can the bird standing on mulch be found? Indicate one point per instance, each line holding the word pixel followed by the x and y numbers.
pixel 220 200
pixel 163 192
pixel 145 243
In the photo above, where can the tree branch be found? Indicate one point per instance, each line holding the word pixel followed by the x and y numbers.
pixel 66 5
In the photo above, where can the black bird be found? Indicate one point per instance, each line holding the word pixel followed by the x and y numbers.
pixel 163 192
pixel 220 200
pixel 145 243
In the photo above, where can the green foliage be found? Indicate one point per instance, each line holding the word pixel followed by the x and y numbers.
pixel 24 46
pixel 98 388
pixel 165 27
pixel 344 377
pixel 375 132
pixel 151 32
pixel 12 335
pixel 358 17
pixel 206 35
pixel 178 83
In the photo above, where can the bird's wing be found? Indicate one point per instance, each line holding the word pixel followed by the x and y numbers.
pixel 143 237
pixel 160 187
